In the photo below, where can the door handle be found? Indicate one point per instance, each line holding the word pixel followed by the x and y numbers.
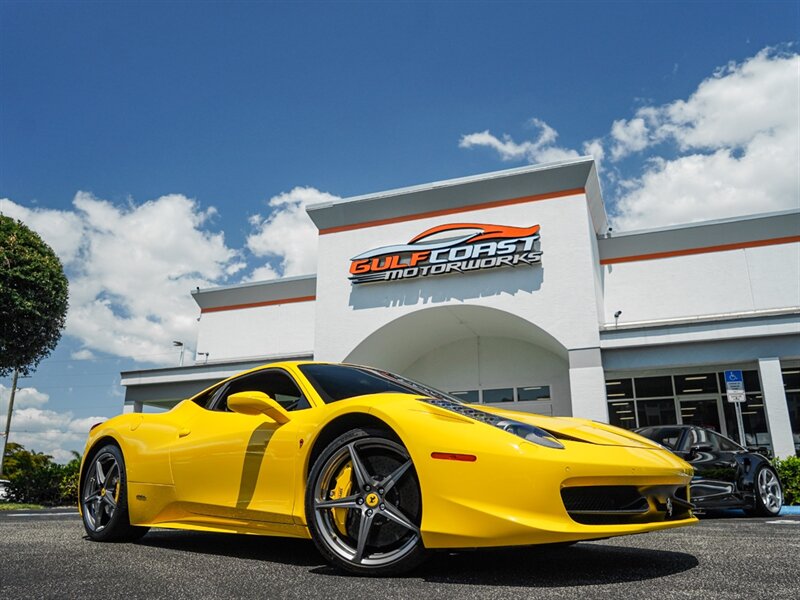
pixel 184 432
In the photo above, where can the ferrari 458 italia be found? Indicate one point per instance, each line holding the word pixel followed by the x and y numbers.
pixel 375 468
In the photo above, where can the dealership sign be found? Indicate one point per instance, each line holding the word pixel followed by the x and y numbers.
pixel 453 248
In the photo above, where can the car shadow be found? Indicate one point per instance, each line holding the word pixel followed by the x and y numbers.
pixel 559 566
pixel 253 547
pixel 535 567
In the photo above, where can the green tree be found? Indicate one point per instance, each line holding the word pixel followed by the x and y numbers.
pixel 33 305
pixel 33 298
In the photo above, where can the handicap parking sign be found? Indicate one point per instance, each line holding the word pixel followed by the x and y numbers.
pixel 734 386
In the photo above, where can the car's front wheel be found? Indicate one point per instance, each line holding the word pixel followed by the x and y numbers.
pixel 104 498
pixel 768 499
pixel 364 505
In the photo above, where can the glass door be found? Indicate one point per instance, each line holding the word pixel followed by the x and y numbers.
pixel 703 411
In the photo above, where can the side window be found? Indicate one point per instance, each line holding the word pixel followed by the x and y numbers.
pixel 205 399
pixel 693 437
pixel 667 437
pixel 724 444
pixel 700 437
pixel 276 384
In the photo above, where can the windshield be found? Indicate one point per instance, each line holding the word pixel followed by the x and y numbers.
pixel 338 382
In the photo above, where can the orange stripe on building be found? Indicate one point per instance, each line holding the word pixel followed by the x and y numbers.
pixel 701 250
pixel 257 304
pixel 453 211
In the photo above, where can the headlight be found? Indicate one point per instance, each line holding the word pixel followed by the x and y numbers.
pixel 529 432
pixel 526 432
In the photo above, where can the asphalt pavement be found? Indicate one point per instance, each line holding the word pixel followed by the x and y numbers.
pixel 46 555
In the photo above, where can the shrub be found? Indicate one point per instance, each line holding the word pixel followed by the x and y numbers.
pixel 35 479
pixel 789 473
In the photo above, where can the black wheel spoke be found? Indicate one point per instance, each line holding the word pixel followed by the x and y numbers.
pixel 363 533
pixel 346 502
pixel 98 468
pixel 393 513
pixel 359 470
pixel 391 480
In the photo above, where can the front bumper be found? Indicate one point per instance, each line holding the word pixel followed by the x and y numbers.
pixel 516 495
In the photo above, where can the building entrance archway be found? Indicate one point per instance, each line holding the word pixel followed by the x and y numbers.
pixel 482 353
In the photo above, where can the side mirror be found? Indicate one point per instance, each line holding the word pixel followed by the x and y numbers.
pixel 258 403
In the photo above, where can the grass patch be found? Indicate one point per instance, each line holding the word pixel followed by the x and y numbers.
pixel 19 506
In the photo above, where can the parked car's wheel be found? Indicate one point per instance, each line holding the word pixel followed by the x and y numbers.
pixel 104 498
pixel 364 506
pixel 768 494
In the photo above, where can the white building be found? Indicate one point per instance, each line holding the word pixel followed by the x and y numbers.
pixel 634 328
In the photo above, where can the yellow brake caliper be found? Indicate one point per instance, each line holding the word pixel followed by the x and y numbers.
pixel 344 482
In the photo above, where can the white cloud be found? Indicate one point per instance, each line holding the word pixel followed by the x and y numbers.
pixel 43 430
pixel 595 148
pixel 739 139
pixel 731 148
pixel 541 149
pixel 25 398
pixel 287 235
pixel 131 269
pixel 261 273
pixel 629 136
pixel 82 354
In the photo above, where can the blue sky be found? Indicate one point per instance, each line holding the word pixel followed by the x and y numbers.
pixel 230 105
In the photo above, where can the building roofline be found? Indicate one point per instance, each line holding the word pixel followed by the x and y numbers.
pixel 704 223
pixel 444 183
pixel 462 194
pixel 701 237
pixel 210 367
pixel 257 293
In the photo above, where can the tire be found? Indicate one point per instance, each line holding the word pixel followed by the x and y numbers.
pixel 379 492
pixel 104 498
pixel 767 494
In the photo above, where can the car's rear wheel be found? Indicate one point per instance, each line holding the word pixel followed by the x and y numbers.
pixel 364 505
pixel 768 494
pixel 104 498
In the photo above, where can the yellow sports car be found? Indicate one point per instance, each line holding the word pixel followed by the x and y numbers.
pixel 375 468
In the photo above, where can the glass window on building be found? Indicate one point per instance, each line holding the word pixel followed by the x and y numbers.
pixel 654 387
pixel 498 395
pixel 793 400
pixel 791 383
pixel 619 388
pixel 698 383
pixel 656 412
pixel 702 413
pixel 791 379
pixel 535 392
pixel 468 396
pixel 621 413
pixel 754 419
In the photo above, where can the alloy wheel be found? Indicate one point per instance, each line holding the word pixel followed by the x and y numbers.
pixel 100 495
pixel 769 490
pixel 370 517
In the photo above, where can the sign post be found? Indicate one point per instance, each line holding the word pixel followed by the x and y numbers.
pixel 734 388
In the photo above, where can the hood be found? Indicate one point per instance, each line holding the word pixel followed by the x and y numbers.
pixel 582 430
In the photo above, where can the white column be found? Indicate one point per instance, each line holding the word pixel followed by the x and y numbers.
pixel 132 407
pixel 587 384
pixel 780 427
